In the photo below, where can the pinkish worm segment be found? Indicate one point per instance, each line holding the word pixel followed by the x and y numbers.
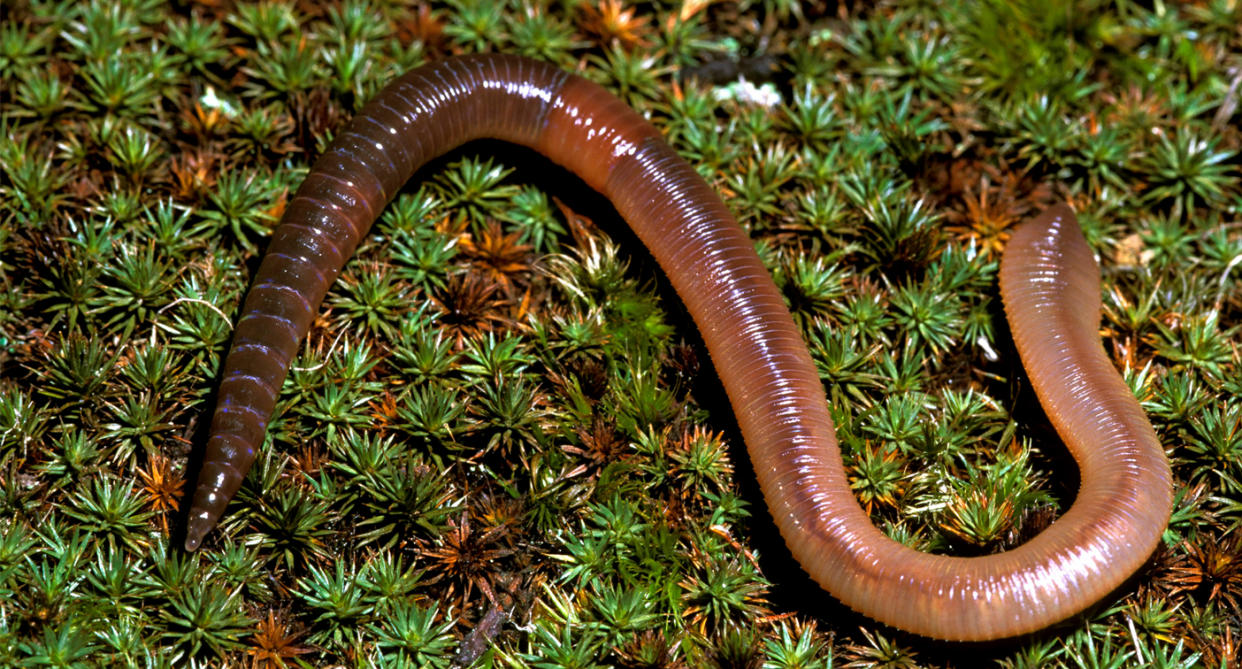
pixel 1049 281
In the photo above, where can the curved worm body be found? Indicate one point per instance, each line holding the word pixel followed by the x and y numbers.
pixel 1050 286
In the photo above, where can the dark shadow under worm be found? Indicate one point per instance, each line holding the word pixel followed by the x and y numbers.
pixel 1049 282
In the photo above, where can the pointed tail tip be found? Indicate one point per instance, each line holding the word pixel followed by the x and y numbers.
pixel 1062 210
pixel 1059 212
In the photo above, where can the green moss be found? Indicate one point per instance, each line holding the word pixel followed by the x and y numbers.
pixel 497 446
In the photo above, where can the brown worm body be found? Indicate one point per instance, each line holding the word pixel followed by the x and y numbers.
pixel 1050 286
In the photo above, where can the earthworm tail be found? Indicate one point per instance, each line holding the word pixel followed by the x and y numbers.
pixel 766 370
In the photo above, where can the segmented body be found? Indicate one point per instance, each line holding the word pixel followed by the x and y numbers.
pixel 1048 278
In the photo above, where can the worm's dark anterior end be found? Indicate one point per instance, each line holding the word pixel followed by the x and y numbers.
pixel 197 528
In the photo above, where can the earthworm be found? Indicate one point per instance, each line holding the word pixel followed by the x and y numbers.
pixel 1049 283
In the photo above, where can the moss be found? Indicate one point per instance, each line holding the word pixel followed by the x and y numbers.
pixel 501 444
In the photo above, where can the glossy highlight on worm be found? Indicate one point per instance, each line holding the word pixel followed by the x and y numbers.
pixel 1049 281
